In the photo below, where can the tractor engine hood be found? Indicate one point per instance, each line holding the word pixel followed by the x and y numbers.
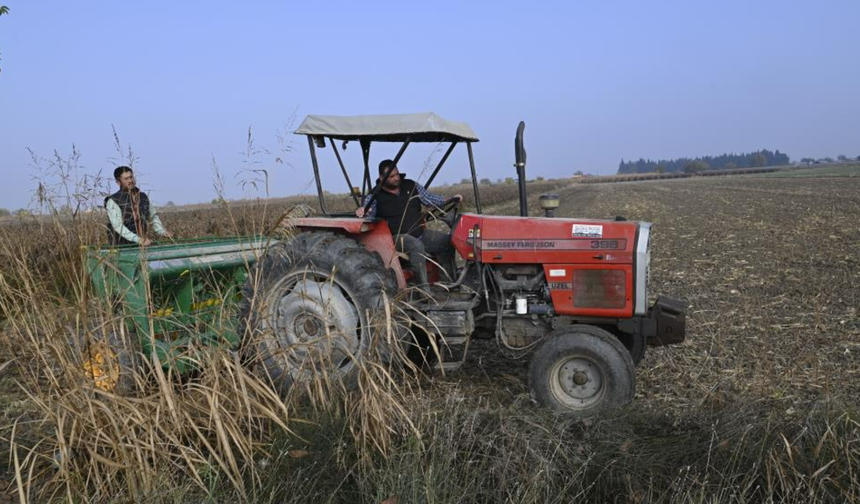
pixel 504 239
pixel 564 246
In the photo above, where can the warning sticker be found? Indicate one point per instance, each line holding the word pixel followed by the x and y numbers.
pixel 588 230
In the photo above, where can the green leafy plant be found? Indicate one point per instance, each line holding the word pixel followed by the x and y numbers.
pixel 4 10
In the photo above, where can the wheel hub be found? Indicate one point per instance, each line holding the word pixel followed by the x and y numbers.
pixel 307 327
pixel 578 382
pixel 315 319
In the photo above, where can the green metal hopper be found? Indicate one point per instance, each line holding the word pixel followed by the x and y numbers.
pixel 179 296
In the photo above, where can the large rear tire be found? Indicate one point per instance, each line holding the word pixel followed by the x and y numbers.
pixel 308 309
pixel 582 370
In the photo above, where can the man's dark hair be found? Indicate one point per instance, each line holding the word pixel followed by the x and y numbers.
pixel 384 165
pixel 117 173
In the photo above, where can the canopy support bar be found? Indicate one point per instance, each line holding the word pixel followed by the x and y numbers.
pixel 317 174
pixel 439 166
pixel 401 151
pixel 365 152
pixel 343 169
pixel 474 178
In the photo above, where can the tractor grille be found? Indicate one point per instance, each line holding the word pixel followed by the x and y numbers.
pixel 599 289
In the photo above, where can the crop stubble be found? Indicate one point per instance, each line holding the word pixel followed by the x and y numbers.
pixel 769 266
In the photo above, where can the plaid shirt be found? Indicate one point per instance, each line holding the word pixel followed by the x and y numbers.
pixel 427 199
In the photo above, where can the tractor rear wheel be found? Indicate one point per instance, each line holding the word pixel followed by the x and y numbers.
pixel 308 309
pixel 582 370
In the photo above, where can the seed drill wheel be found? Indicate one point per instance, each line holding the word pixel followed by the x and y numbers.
pixel 582 370
pixel 109 364
pixel 309 306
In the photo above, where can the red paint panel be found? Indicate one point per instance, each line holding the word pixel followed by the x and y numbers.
pixel 544 240
pixel 375 236
pixel 461 237
pixel 352 225
pixel 379 240
pixel 541 240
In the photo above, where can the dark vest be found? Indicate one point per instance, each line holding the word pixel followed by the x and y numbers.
pixel 402 211
pixel 137 224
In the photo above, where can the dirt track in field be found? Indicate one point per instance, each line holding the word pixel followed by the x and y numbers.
pixel 771 269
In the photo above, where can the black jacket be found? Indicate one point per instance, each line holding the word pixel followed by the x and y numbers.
pixel 135 214
pixel 402 211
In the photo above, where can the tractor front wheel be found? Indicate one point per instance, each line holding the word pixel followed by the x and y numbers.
pixel 582 370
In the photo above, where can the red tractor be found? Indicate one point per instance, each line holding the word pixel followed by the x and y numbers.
pixel 573 291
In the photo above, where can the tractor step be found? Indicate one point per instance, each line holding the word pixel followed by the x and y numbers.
pixel 448 366
pixel 437 298
pixel 453 351
pixel 452 326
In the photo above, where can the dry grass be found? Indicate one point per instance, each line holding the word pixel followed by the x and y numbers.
pixel 758 406
pixel 165 437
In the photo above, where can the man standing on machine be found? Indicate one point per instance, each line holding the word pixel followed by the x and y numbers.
pixel 400 202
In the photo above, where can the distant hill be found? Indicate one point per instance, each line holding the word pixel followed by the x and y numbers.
pixel 756 159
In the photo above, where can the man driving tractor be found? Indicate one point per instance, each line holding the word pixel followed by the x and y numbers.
pixel 399 203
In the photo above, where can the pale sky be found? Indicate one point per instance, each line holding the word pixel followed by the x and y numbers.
pixel 596 82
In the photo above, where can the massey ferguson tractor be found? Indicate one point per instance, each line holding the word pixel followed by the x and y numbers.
pixel 572 291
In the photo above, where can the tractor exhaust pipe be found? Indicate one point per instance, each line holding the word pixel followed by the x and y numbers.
pixel 521 168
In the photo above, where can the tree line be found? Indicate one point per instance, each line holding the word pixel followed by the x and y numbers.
pixel 756 159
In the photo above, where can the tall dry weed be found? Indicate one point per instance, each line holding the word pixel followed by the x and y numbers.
pixel 195 434
pixel 222 434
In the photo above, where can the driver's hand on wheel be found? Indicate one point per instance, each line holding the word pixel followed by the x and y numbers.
pixel 359 212
pixel 458 197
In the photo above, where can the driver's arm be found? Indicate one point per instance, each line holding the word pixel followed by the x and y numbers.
pixel 371 212
pixel 428 198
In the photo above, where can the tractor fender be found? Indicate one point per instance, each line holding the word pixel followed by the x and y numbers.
pixel 373 234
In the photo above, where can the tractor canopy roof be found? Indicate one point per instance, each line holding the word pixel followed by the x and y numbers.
pixel 421 127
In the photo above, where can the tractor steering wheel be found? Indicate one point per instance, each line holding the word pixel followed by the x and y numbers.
pixel 446 213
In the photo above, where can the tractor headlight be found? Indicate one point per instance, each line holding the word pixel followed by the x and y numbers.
pixel 643 269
